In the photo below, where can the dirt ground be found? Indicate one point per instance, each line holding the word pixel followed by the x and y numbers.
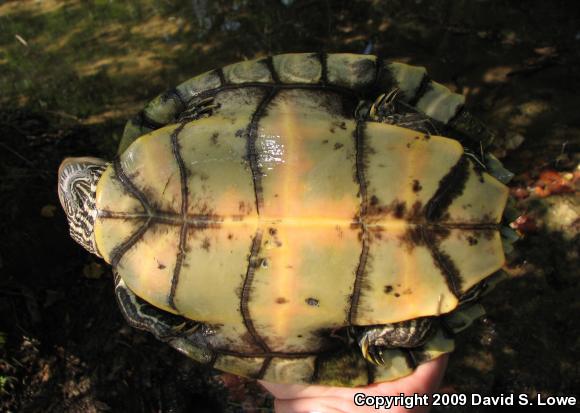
pixel 72 72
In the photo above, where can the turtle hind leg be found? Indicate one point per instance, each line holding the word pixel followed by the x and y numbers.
pixel 405 334
pixel 422 338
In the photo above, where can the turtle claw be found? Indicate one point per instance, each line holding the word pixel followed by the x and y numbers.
pixel 371 352
pixel 186 328
pixel 204 107
pixel 376 356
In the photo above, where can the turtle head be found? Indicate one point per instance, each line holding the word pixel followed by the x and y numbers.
pixel 77 190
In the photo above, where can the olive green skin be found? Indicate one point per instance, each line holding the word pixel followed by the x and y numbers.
pixel 273 216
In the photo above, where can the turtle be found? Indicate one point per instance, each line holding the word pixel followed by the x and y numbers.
pixel 327 218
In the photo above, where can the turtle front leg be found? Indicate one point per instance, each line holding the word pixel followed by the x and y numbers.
pixel 446 110
pixel 196 110
pixel 186 336
pixel 405 334
pixel 390 108
pixel 143 316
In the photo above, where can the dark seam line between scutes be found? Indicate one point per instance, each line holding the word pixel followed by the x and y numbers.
pixel 184 225
pixel 252 135
pixel 316 373
pixel 265 365
pixel 424 86
pixel 355 298
pixel 270 64
pixel 450 187
pixel 121 249
pixel 246 289
pixel 147 122
pixel 129 186
pixel 458 112
pixel 372 89
pixel 323 57
pixel 221 76
pixel 204 220
pixel 177 268
pixel 359 159
pixel 359 165
pixel 180 99
pixel 451 276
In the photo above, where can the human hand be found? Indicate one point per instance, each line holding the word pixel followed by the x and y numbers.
pixel 293 398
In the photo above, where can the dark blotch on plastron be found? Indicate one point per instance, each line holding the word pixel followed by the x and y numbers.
pixel 416 211
pixel 312 302
pixel 416 186
pixel 272 231
pixel 160 266
pixel 450 187
pixel 244 208
pixel 230 236
pixel 240 133
pixel 214 138
pixel 399 209
pixel 413 237
pixel 488 234
pixel 377 233
pixel 397 295
pixel 205 244
pixel 325 141
pixel 281 300
pixel 472 240
pixel 338 146
pixel 388 289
